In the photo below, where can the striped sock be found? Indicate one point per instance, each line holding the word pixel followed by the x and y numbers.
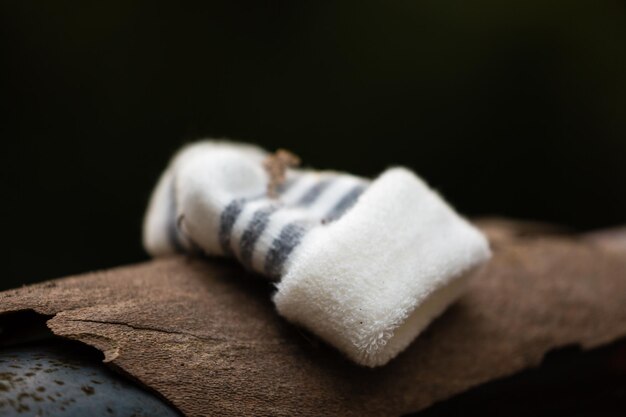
pixel 262 232
pixel 366 265
pixel 258 230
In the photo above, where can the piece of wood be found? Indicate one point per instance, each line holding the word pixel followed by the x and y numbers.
pixel 204 334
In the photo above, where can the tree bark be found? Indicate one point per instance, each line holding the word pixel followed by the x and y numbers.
pixel 204 334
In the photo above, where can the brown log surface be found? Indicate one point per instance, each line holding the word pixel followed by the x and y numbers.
pixel 204 334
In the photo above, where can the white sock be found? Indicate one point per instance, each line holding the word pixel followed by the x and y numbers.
pixel 366 265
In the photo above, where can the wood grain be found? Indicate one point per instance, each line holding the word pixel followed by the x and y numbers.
pixel 205 335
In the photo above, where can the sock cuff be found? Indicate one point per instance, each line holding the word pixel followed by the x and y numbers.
pixel 370 282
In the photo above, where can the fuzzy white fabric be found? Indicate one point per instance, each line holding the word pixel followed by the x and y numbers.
pixel 364 265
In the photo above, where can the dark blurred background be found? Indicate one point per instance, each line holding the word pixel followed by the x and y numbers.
pixel 514 108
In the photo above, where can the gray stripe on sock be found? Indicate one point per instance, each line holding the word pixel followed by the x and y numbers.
pixel 314 192
pixel 172 220
pixel 290 236
pixel 227 221
pixel 345 203
pixel 255 228
pixel 282 188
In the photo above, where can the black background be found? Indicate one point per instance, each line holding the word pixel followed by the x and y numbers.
pixel 515 108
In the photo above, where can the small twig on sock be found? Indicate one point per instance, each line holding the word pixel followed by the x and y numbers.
pixel 276 165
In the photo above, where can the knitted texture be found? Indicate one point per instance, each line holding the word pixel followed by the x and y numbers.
pixel 259 230
pixel 365 265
